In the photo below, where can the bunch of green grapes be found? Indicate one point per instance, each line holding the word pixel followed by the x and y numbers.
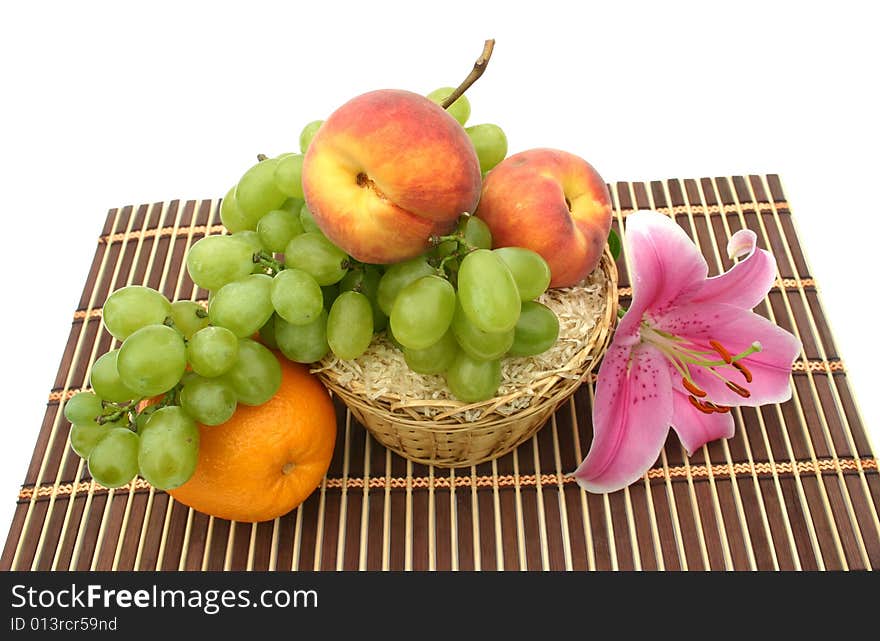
pixel 461 308
pixel 174 369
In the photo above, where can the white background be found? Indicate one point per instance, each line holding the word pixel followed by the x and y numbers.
pixel 108 104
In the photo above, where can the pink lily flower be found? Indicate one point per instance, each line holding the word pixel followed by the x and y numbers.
pixel 688 350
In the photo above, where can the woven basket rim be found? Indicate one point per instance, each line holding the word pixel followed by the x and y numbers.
pixel 544 390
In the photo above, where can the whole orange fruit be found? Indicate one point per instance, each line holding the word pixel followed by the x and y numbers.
pixel 265 460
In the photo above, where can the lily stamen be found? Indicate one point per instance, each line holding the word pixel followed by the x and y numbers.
pixel 743 370
pixel 692 388
pixel 721 351
pixel 739 389
pixel 704 408
pixel 708 407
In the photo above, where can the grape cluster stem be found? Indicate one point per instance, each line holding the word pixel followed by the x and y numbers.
pixel 268 261
pixel 462 249
pixel 119 410
pixel 473 76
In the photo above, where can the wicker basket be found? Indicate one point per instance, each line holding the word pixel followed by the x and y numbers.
pixel 447 439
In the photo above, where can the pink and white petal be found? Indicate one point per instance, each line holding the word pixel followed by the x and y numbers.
pixel 736 329
pixel 746 283
pixel 631 416
pixel 741 243
pixel 696 428
pixel 665 264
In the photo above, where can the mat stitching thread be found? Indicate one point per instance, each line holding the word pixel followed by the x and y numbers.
pixel 785 283
pixel 815 366
pixel 508 480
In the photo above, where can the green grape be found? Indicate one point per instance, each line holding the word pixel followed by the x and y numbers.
pixel 536 330
pixel 216 260
pixel 251 239
pixel 242 306
pixel 130 308
pixel 152 360
pixel 350 325
pixel 434 359
pixel 212 351
pixel 307 219
pixel 315 254
pixel 267 333
pixel 296 296
pixel 308 132
pixel 423 312
pixel 329 292
pixel 113 461
pixel 84 437
pixel 490 143
pixel 140 421
pixel 398 276
pixel 366 281
pixel 257 193
pixel 256 375
pixel 460 109
pixel 188 316
pixel 231 215
pixel 293 206
pixel 390 335
pixel 105 378
pixel 169 448
pixel 288 175
pixel 487 292
pixel 472 380
pixel 277 228
pixel 82 407
pixel 484 346
pixel 210 401
pixel 476 232
pixel 530 271
pixel 303 343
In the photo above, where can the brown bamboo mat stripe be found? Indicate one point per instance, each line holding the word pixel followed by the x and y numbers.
pixel 797 487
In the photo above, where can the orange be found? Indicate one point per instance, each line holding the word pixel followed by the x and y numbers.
pixel 265 460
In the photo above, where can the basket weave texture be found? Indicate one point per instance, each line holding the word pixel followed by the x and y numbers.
pixel 447 438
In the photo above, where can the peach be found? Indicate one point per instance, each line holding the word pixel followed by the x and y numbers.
pixel 386 171
pixel 553 203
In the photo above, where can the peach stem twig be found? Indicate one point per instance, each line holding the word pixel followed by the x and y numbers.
pixel 473 76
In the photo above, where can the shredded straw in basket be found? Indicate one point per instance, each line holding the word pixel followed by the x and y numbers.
pixel 381 373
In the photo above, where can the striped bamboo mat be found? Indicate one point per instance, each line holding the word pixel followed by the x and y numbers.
pixel 796 488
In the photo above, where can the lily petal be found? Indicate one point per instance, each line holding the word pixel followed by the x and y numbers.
pixel 665 263
pixel 695 428
pixel 631 416
pixel 746 283
pixel 737 329
pixel 742 243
